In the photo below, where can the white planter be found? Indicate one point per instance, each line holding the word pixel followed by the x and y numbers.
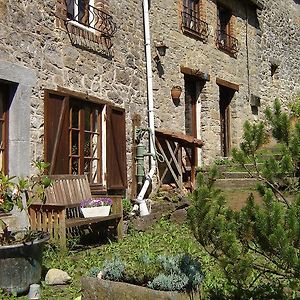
pixel 100 211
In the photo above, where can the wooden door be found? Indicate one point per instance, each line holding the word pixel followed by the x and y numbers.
pixel 226 95
pixel 190 105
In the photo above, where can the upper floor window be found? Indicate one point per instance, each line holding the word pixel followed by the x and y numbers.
pixel 225 34
pixel 191 21
pixel 81 11
pixel 89 14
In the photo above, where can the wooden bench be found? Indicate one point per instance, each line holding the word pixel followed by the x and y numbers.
pixel 61 213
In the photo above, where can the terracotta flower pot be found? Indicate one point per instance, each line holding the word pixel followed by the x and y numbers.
pixel 176 92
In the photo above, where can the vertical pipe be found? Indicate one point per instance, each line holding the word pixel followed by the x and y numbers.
pixel 140 199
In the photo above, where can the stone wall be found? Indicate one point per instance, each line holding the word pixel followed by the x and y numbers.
pixel 32 35
pixel 279 45
pixel 271 34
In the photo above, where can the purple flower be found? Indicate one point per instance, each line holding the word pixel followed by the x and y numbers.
pixel 95 202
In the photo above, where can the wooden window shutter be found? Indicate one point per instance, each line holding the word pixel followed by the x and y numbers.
pixel 116 149
pixel 56 132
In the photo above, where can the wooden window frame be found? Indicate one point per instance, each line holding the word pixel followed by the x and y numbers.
pixel 82 131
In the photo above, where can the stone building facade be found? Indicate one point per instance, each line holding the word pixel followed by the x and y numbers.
pixel 226 87
pixel 221 53
pixel 43 52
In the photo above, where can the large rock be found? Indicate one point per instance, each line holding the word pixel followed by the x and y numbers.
pixel 56 277
pixel 94 289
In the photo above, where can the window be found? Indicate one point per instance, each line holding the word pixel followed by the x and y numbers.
pixel 81 11
pixel 4 96
pixel 191 22
pixel 225 39
pixel 274 71
pixel 85 137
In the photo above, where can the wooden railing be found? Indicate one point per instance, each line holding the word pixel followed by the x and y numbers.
pixel 179 153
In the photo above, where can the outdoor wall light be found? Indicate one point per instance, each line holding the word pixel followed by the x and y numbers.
pixel 161 48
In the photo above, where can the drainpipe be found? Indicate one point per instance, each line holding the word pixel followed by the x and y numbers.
pixel 140 198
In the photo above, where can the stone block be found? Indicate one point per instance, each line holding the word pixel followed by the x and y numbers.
pixel 94 288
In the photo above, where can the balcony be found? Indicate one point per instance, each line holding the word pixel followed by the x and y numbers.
pixel 88 17
pixel 227 43
pixel 194 26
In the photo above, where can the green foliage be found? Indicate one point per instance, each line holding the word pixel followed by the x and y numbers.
pixel 280 122
pixel 170 282
pixel 12 192
pixel 295 106
pixel 93 272
pixel 140 251
pixel 113 269
pixel 127 207
pixel 258 247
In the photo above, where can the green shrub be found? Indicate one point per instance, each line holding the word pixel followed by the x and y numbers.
pixel 259 246
pixel 113 270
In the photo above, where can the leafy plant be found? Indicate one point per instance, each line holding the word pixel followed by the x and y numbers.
pixel 257 247
pixel 12 192
pixel 180 273
pixel 127 207
pixel 114 269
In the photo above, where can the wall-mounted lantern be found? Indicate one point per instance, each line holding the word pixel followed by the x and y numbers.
pixel 161 48
pixel 176 92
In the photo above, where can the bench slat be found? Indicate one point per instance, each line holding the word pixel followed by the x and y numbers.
pixel 86 221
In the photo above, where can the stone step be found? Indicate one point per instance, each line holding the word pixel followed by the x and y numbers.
pixel 235 167
pixel 235 175
pixel 236 183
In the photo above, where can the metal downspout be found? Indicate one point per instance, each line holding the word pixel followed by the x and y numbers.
pixel 140 198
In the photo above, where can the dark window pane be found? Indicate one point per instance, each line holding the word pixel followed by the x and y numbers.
pixel 75 143
pixel 87 144
pixel 70 9
pixel 87 167
pixel 87 118
pixel 75 117
pixel 75 166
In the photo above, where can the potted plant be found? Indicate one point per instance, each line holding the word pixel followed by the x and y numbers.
pixel 21 251
pixel 96 207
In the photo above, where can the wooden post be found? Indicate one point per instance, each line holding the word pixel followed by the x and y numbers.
pixel 136 122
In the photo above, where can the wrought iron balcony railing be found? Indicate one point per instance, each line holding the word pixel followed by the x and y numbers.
pixel 227 42
pixel 194 26
pixel 81 12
